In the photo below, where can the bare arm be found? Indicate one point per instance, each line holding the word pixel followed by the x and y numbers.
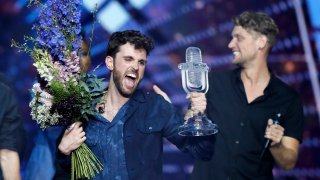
pixel 286 152
pixel 284 149
pixel 10 164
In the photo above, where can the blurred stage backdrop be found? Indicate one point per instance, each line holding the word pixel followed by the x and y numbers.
pixel 176 25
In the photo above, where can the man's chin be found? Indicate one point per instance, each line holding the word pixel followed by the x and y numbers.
pixel 128 93
pixel 236 61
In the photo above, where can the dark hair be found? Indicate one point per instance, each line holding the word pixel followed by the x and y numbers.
pixel 133 37
pixel 258 22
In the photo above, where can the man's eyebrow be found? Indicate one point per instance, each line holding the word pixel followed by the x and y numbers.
pixel 128 57
pixel 237 35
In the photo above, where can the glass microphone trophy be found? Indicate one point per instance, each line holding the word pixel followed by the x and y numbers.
pixel 195 79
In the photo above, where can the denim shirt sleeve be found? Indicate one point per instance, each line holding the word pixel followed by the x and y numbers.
pixel 200 147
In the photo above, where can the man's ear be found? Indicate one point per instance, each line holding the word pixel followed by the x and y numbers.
pixel 109 62
pixel 262 42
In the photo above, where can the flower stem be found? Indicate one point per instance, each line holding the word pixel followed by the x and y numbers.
pixel 84 163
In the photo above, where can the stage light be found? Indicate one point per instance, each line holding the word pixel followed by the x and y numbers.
pixel 91 4
pixel 289 67
pixel 139 4
pixel 113 16
pixel 317 40
pixel 314 12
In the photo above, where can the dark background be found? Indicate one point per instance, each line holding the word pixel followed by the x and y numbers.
pixel 176 25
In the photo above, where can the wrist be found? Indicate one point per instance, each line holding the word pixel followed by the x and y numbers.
pixel 64 150
pixel 275 145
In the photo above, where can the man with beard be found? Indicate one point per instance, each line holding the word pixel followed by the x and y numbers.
pixel 127 135
pixel 243 103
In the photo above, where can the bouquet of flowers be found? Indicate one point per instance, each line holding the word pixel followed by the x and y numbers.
pixel 63 95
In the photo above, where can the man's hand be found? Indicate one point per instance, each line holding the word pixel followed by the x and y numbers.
pixel 72 138
pixel 198 104
pixel 274 132
pixel 163 94
pixel 284 149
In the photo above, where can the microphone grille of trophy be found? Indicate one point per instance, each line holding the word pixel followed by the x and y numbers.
pixel 194 72
pixel 193 54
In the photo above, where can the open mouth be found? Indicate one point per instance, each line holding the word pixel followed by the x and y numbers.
pixel 130 80
pixel 235 53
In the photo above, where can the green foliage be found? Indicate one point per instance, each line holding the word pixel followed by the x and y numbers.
pixel 87 93
pixel 58 91
pixel 92 91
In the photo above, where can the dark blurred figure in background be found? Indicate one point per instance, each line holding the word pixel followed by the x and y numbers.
pixel 243 101
pixel 85 61
pixel 10 132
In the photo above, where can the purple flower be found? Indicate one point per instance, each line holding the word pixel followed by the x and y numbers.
pixel 58 27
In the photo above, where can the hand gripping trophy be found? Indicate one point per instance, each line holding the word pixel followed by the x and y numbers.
pixel 195 79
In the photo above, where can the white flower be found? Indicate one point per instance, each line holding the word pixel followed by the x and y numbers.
pixel 46 99
pixel 41 113
pixel 36 88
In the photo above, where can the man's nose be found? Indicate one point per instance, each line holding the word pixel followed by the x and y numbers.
pixel 135 65
pixel 231 44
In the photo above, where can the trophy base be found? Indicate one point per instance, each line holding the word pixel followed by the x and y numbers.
pixel 198 127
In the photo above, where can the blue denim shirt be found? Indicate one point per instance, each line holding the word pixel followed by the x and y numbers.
pixel 148 119
pixel 105 139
